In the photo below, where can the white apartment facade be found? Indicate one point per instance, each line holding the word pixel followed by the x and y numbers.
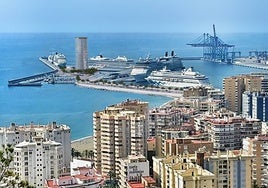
pixel 16 134
pixel 37 160
pixel 132 168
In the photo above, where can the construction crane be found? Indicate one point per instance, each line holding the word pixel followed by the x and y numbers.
pixel 214 49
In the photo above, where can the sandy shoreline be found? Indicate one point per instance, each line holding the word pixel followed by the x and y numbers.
pixel 82 144
pixel 146 91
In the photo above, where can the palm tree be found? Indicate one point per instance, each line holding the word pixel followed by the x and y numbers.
pixel 91 154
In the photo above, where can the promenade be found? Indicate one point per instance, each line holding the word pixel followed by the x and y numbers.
pixel 133 89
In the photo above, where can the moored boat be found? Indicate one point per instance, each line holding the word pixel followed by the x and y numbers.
pixel 180 79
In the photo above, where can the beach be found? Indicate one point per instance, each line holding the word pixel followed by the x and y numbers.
pixel 83 144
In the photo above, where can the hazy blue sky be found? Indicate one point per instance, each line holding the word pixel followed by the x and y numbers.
pixel 133 15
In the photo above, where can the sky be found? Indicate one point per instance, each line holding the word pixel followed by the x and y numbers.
pixel 133 15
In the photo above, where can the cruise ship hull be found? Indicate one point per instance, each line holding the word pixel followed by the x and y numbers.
pixel 177 79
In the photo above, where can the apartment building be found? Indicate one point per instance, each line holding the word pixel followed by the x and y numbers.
pixel 132 169
pixel 232 169
pixel 16 134
pixel 119 130
pixel 227 130
pixel 235 86
pixel 200 104
pixel 164 117
pixel 189 145
pixel 228 134
pixel 37 160
pixel 181 171
pixel 258 147
pixel 255 105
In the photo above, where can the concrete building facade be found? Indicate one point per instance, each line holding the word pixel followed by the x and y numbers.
pixel 180 171
pixel 258 147
pixel 37 160
pixel 255 105
pixel 189 145
pixel 119 131
pixel 231 168
pixel 228 133
pixel 132 169
pixel 226 130
pixel 81 53
pixel 235 86
pixel 16 134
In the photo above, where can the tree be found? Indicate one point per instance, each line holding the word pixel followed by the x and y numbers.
pixel 76 153
pixel 91 154
pixel 78 78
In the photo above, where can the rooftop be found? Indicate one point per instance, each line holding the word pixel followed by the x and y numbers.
pixel 135 185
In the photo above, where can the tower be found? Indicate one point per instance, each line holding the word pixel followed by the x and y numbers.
pixel 119 130
pixel 81 52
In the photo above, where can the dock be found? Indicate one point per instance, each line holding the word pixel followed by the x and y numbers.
pixel 247 62
pixel 34 80
pixel 47 63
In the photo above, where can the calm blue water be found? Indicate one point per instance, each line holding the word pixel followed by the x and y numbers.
pixel 74 106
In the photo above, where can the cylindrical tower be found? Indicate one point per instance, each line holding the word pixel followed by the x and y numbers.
pixel 81 52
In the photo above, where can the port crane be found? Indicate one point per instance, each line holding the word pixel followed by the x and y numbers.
pixel 214 49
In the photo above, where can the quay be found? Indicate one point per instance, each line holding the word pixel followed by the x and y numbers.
pixel 33 80
pixel 244 62
pixel 133 89
pixel 47 63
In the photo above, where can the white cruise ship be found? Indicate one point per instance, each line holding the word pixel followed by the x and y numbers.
pixel 139 73
pixel 102 59
pixel 178 79
pixel 57 59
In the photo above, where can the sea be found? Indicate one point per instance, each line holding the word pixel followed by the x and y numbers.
pixel 73 105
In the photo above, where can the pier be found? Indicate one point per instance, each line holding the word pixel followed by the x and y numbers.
pixel 47 63
pixel 33 80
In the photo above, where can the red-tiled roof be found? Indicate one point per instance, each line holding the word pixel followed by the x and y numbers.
pixel 149 179
pixel 83 177
pixel 50 184
pixel 65 177
pixel 135 185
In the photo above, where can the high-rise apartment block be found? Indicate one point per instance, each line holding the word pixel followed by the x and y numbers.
pixel 255 105
pixel 258 147
pixel 16 134
pixel 235 86
pixel 228 134
pixel 168 117
pixel 81 53
pixel 37 160
pixel 231 168
pixel 119 130
pixel 226 130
